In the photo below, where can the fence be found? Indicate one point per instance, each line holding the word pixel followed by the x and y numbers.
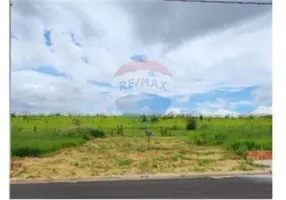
pixel 158 130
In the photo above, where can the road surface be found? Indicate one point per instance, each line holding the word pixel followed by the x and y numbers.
pixel 243 187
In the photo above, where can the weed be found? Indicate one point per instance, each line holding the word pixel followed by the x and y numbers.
pixel 144 164
pixel 242 166
pixel 125 161
pixel 142 148
pixel 178 157
pixel 204 162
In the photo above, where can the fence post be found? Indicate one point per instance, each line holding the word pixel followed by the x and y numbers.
pixel 35 129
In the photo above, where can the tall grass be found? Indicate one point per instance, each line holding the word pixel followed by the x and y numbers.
pixel 37 135
pixel 28 143
pixel 237 139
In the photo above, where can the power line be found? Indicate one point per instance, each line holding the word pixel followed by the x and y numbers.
pixel 225 2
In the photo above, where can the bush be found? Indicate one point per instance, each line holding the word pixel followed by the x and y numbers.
pixel 201 117
pixel 199 140
pixel 175 127
pixel 76 122
pixel 86 133
pixel 96 133
pixel 219 139
pixel 191 124
pixel 143 118
pixel 154 118
pixel 13 115
pixel 242 146
pixel 206 138
pixel 165 132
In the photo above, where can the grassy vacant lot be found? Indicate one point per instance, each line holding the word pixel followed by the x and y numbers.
pixel 61 146
pixel 119 156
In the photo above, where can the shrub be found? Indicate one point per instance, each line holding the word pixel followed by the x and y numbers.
pixel 191 124
pixel 199 140
pixel 201 117
pixel 95 133
pixel 219 139
pixel 143 118
pixel 13 115
pixel 119 130
pixel 240 147
pixel 76 122
pixel 154 118
pixel 86 133
pixel 165 132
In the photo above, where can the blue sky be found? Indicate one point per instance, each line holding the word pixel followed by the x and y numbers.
pixel 65 61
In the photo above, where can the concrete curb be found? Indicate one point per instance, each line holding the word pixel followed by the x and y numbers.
pixel 143 177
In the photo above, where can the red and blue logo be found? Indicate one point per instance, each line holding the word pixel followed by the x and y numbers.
pixel 141 82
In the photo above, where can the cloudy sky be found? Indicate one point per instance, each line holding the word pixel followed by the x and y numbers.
pixel 65 53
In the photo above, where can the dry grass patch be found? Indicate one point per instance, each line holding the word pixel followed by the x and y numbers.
pixel 121 155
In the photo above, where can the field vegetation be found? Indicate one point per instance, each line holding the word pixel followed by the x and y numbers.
pixel 119 144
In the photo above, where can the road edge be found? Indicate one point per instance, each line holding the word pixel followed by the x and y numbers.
pixel 143 177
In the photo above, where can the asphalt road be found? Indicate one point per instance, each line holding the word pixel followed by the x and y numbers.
pixel 248 187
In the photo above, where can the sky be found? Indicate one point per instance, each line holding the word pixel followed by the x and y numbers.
pixel 65 55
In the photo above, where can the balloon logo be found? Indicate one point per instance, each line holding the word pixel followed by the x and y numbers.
pixel 146 102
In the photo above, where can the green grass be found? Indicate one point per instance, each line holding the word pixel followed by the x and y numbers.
pixel 28 143
pixel 38 135
pixel 238 139
pixel 125 161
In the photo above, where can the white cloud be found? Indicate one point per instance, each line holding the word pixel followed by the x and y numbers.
pixel 183 99
pixel 236 57
pixel 218 112
pixel 262 110
pixel 236 104
pixel 263 96
pixel 218 104
pixel 220 107
pixel 176 111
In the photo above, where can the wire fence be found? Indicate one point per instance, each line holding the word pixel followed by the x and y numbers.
pixel 158 130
